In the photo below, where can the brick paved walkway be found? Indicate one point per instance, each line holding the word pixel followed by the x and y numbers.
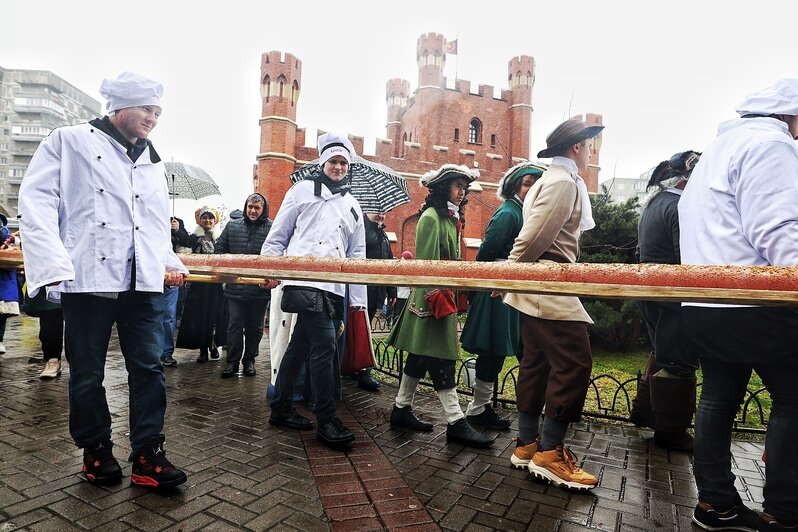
pixel 244 474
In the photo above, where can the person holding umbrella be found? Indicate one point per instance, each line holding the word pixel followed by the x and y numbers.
pixel 318 218
pixel 431 339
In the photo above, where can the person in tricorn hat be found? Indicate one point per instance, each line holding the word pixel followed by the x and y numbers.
pixel 430 341
pixel 665 398
pixel 95 218
pixel 556 365
pixel 740 209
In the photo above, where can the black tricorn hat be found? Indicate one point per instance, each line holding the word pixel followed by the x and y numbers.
pixel 567 134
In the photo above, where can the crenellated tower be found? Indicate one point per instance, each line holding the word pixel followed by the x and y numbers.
pixel 396 92
pixel 594 166
pixel 521 80
pixel 280 82
pixel 430 58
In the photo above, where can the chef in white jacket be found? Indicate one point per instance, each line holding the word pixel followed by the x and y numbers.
pixel 318 218
pixel 95 214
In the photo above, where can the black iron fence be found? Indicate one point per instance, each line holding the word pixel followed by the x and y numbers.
pixel 608 397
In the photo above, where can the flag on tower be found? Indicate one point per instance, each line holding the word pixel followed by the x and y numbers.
pixel 451 47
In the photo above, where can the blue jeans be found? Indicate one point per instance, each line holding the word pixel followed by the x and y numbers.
pixel 730 342
pixel 170 294
pixel 88 322
pixel 314 337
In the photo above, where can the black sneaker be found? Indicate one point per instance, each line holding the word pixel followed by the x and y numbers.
pixel 334 434
pixel 489 419
pixel 737 517
pixel 168 360
pixel 153 470
pixel 290 419
pixel 99 465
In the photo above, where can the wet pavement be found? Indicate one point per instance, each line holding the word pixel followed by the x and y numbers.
pixel 244 474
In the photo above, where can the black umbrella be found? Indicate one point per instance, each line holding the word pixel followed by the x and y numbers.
pixel 188 182
pixel 376 187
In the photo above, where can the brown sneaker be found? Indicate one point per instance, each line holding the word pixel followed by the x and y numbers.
pixel 559 466
pixel 523 453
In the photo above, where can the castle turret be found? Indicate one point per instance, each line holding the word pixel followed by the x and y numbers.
pixel 430 57
pixel 396 92
pixel 594 167
pixel 520 79
pixel 280 78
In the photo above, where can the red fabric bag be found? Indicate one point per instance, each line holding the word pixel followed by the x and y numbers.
pixel 441 302
pixel 359 353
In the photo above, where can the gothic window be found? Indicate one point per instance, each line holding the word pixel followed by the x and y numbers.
pixel 493 141
pixel 281 87
pixel 294 93
pixel 456 134
pixel 475 131
pixel 265 88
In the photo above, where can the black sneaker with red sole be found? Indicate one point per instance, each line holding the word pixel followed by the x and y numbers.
pixel 151 468
pixel 99 465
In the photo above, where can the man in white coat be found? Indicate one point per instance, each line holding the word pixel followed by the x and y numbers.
pixel 95 215
pixel 318 218
pixel 741 208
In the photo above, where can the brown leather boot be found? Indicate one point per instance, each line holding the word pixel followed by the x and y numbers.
pixel 673 402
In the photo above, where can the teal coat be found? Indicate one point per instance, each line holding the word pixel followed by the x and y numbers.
pixel 417 331
pixel 493 328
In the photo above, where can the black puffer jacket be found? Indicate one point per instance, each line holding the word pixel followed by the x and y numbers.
pixel 243 237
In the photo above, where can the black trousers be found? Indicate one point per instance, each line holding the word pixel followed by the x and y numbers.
pixel 245 328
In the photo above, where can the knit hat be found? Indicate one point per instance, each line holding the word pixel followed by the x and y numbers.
pixel 448 171
pixel 130 90
pixel 407 255
pixel 508 184
pixel 332 144
pixel 779 99
pixel 567 134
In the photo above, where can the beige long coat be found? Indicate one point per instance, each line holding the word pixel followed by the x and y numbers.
pixel 552 211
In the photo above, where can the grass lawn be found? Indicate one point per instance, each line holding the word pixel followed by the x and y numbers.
pixel 613 386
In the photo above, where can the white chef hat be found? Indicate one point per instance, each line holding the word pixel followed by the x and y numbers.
pixel 332 144
pixel 781 98
pixel 130 90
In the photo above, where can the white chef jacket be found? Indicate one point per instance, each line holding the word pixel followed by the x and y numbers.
pixel 87 209
pixel 740 206
pixel 329 225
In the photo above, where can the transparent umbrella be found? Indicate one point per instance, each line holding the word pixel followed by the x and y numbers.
pixel 188 182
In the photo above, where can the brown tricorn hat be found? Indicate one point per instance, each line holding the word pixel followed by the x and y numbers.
pixel 567 134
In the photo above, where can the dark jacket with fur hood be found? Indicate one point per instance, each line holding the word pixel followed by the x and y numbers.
pixel 244 237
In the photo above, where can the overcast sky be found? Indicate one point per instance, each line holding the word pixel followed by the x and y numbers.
pixel 663 74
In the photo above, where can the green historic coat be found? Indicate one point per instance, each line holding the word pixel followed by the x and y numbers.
pixel 417 331
pixel 493 328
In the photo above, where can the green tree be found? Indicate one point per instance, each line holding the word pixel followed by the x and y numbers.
pixel 618 323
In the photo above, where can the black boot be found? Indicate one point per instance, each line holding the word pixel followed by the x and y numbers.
pixel 249 368
pixel 203 356
pixel 366 381
pixel 673 401
pixel 153 470
pixel 230 370
pixel 461 432
pixel 333 434
pixel 641 414
pixel 99 465
pixel 405 418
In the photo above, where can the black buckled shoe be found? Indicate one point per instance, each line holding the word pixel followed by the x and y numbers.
pixel 366 381
pixel 230 370
pixel 99 465
pixel 461 432
pixel 489 419
pixel 249 368
pixel 333 434
pixel 152 469
pixel 405 418
pixel 290 419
